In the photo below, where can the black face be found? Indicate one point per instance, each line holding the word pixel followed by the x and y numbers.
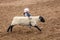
pixel 42 19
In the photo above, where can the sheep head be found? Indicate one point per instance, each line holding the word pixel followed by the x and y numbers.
pixel 41 19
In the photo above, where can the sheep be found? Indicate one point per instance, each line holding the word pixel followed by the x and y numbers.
pixel 22 20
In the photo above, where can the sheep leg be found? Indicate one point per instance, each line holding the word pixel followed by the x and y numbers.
pixel 30 24
pixel 37 28
pixel 10 28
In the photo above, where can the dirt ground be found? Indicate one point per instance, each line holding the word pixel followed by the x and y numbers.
pixel 49 9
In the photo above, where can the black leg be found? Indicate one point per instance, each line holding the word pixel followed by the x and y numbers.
pixel 10 28
pixel 30 24
pixel 37 28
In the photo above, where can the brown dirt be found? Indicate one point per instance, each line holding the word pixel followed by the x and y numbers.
pixel 49 9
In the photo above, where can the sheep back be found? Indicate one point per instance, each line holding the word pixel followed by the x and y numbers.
pixel 24 20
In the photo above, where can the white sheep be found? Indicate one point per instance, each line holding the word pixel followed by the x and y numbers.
pixel 21 20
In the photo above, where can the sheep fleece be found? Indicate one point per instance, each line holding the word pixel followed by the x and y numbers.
pixel 24 20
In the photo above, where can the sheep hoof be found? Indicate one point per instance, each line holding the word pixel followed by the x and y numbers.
pixel 40 29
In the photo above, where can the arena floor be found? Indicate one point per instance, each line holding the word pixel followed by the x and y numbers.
pixel 49 9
